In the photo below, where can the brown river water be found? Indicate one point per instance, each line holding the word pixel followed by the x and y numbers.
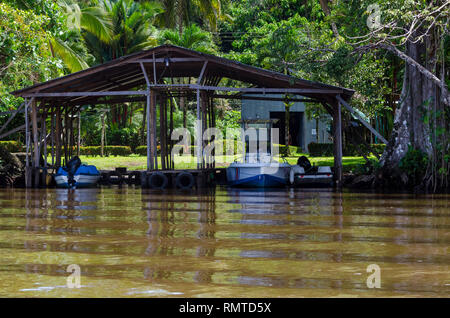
pixel 130 242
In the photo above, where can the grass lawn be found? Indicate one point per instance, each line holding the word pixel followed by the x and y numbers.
pixel 136 162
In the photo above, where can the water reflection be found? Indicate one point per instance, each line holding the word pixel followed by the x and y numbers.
pixel 224 242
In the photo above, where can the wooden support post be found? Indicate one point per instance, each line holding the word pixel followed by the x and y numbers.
pixel 213 120
pixel 79 134
pixel 35 162
pixel 58 137
pixel 172 163
pixel 52 133
pixel 153 123
pixel 44 135
pixel 198 133
pixel 71 135
pixel 166 140
pixel 204 100
pixel 66 135
pixel 161 132
pixel 149 143
pixel 27 149
pixel 337 141
pixel 102 149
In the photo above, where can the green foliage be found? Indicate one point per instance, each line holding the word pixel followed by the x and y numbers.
pixel 12 146
pixel 141 150
pixel 326 149
pixel 131 27
pixel 123 136
pixel 414 164
pixel 94 151
pixel 319 150
pixel 192 38
pixel 287 151
pixel 25 56
pixel 231 120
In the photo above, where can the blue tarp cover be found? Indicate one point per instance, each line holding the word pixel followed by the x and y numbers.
pixel 83 169
pixel 61 172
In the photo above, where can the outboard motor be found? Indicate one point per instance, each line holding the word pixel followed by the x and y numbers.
pixel 304 163
pixel 72 167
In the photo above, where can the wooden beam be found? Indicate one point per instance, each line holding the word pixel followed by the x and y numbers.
pixel 74 94
pixel 202 72
pixel 171 60
pixel 12 131
pixel 9 112
pixel 365 123
pixel 145 74
pixel 12 116
pixel 252 89
pixel 274 99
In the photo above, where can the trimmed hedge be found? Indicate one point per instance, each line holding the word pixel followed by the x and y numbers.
pixel 320 150
pixel 292 150
pixel 12 146
pixel 326 150
pixel 94 151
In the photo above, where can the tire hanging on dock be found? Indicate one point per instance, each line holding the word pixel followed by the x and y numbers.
pixel 158 180
pixel 184 180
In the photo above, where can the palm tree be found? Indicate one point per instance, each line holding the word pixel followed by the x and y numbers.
pixel 192 38
pixel 179 13
pixel 78 19
pixel 131 29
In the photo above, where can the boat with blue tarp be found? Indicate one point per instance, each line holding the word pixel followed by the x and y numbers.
pixel 77 175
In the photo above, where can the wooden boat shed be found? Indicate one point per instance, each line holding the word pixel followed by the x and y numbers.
pixel 151 76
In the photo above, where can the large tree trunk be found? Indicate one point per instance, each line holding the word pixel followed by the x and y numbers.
pixel 410 128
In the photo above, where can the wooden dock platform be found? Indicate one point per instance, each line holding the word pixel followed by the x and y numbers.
pixel 161 179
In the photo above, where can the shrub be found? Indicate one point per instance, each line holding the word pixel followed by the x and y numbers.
pixel 326 150
pixel 414 163
pixel 123 136
pixel 12 146
pixel 116 150
pixel 282 149
pixel 141 150
pixel 320 150
pixel 93 151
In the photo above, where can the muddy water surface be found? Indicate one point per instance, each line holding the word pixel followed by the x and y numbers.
pixel 130 242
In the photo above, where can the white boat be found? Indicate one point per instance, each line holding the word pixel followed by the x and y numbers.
pixel 77 175
pixel 303 174
pixel 80 180
pixel 258 170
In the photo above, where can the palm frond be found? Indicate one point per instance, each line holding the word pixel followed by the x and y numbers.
pixel 71 59
pixel 96 21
